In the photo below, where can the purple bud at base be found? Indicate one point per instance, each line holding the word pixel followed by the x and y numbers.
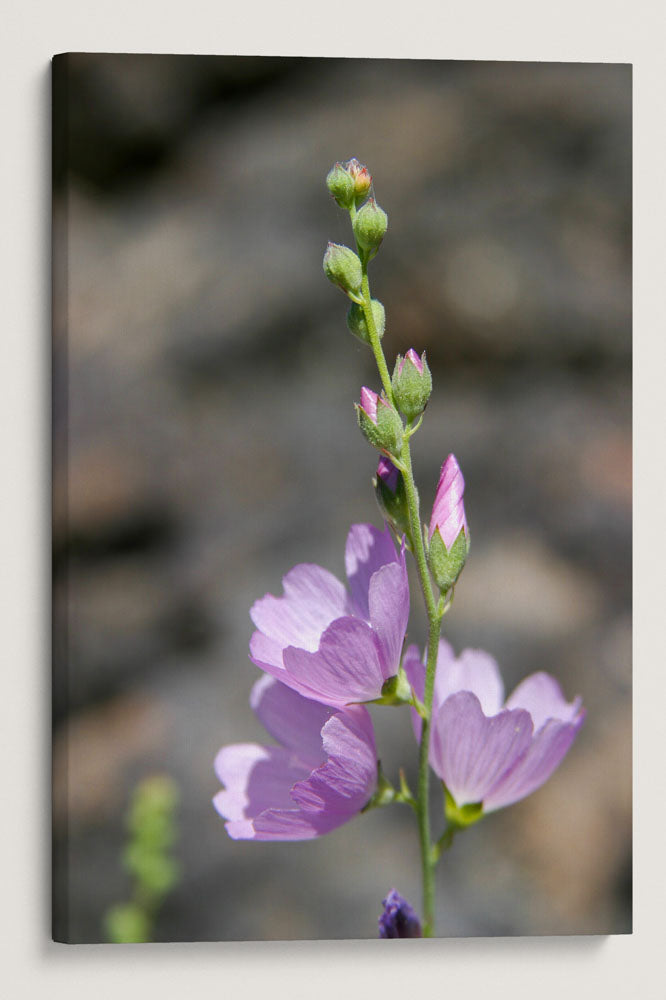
pixel 399 919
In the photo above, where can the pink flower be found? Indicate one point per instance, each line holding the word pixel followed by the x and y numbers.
pixel 330 645
pixel 320 776
pixel 487 750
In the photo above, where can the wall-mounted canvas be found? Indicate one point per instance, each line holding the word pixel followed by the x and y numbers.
pixel 220 776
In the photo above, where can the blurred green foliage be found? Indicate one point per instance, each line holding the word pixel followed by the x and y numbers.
pixel 147 858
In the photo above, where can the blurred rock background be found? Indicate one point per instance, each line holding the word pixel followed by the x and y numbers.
pixel 205 442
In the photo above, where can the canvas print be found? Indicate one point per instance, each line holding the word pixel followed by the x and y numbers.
pixel 342 498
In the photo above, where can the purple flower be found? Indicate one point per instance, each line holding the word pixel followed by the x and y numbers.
pixel 322 774
pixel 327 644
pixel 448 512
pixel 398 919
pixel 484 749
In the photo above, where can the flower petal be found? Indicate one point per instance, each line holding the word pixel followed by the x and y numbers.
pixel 312 599
pixel 345 783
pixel 547 750
pixel 294 721
pixel 255 778
pixel 542 696
pixel 388 601
pixel 346 667
pixel 367 550
pixel 469 751
pixel 283 824
pixel 474 670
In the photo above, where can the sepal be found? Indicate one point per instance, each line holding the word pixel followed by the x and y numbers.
pixel 446 565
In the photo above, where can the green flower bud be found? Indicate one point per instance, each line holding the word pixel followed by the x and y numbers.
pixel 370 226
pixel 379 422
pixel 341 185
pixel 343 267
pixel 358 326
pixel 412 383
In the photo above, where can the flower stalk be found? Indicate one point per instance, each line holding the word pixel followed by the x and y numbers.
pixel 434 613
pixel 328 651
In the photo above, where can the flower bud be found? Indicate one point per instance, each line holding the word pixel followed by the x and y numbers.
pixel 398 919
pixel 341 185
pixel 361 178
pixel 448 533
pixel 412 383
pixel 379 422
pixel 358 326
pixel 392 497
pixel 370 226
pixel 343 267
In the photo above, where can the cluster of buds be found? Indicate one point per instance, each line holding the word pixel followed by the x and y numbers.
pixel 349 184
pixel 381 417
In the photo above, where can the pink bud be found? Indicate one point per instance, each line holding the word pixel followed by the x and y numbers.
pixel 369 400
pixel 448 512
pixel 415 360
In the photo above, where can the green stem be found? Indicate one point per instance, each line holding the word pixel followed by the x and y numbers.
pixel 434 626
pixel 435 611
pixel 366 305
pixel 375 342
